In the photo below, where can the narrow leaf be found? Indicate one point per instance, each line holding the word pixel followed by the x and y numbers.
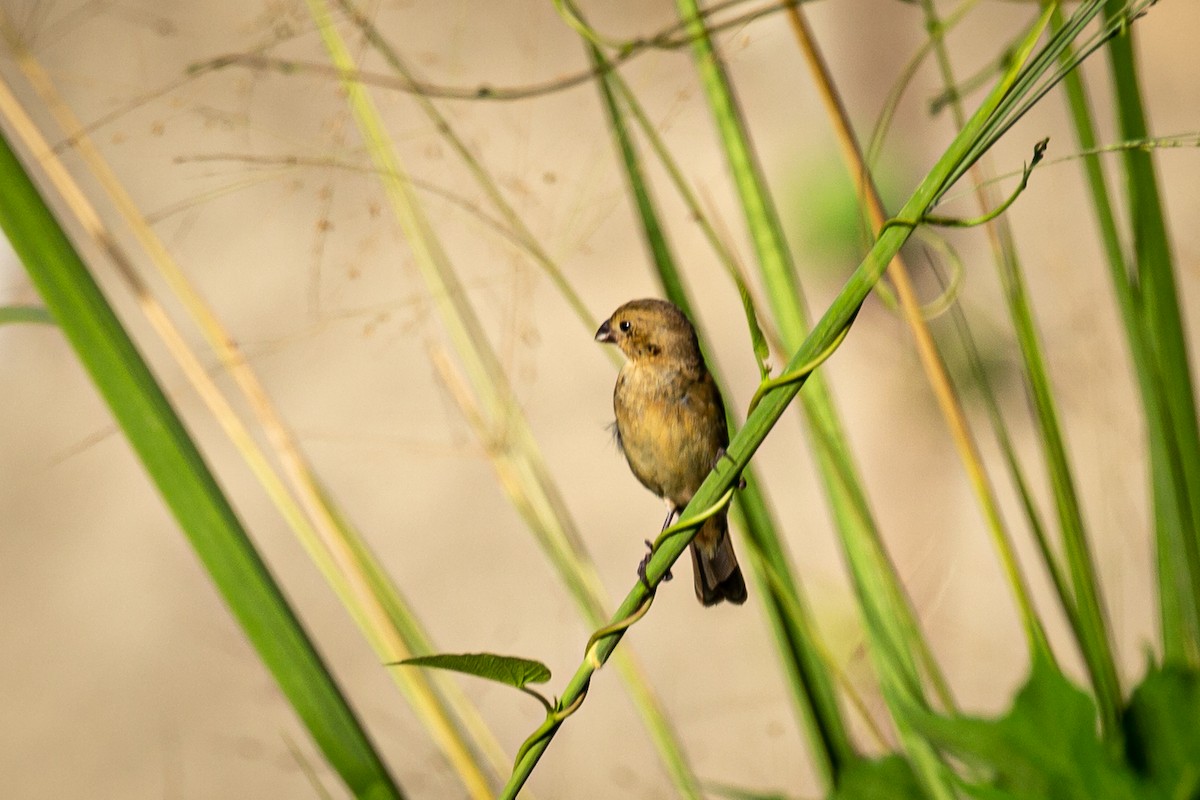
pixel 762 352
pixel 182 477
pixel 511 670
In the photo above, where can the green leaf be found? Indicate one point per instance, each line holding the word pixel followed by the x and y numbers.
pixel 1047 747
pixel 888 778
pixel 762 352
pixel 514 671
pixel 16 314
pixel 1162 729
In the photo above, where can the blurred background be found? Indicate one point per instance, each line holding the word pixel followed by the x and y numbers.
pixel 123 674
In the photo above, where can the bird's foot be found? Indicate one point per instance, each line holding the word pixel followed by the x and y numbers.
pixel 641 570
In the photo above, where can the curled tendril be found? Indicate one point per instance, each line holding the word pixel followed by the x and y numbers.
pixel 1039 150
pixel 614 628
pixel 801 372
pixel 554 718
pixel 939 305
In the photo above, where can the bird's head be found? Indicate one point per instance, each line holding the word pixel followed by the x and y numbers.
pixel 650 329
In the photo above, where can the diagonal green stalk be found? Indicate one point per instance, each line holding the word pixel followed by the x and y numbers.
pixel 787 608
pixel 1085 607
pixel 1175 438
pixel 188 488
pixel 759 423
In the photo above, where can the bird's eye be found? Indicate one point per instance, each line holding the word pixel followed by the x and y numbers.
pixel 625 326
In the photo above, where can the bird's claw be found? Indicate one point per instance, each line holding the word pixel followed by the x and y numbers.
pixel 641 570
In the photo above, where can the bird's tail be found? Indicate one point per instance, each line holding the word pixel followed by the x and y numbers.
pixel 718 576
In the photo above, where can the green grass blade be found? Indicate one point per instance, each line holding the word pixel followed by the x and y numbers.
pixel 1175 436
pixel 651 227
pixel 189 489
pixel 795 631
pixel 1089 623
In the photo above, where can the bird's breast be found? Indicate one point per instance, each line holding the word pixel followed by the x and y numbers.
pixel 670 429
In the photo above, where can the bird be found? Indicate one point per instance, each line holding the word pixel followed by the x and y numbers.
pixel 670 425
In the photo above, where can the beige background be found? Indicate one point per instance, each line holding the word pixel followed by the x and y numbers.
pixel 122 674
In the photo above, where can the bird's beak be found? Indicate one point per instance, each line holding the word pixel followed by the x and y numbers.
pixel 605 333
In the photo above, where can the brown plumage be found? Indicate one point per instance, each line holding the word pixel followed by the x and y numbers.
pixel 671 427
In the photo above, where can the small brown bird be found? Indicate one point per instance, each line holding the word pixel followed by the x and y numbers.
pixel 671 427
